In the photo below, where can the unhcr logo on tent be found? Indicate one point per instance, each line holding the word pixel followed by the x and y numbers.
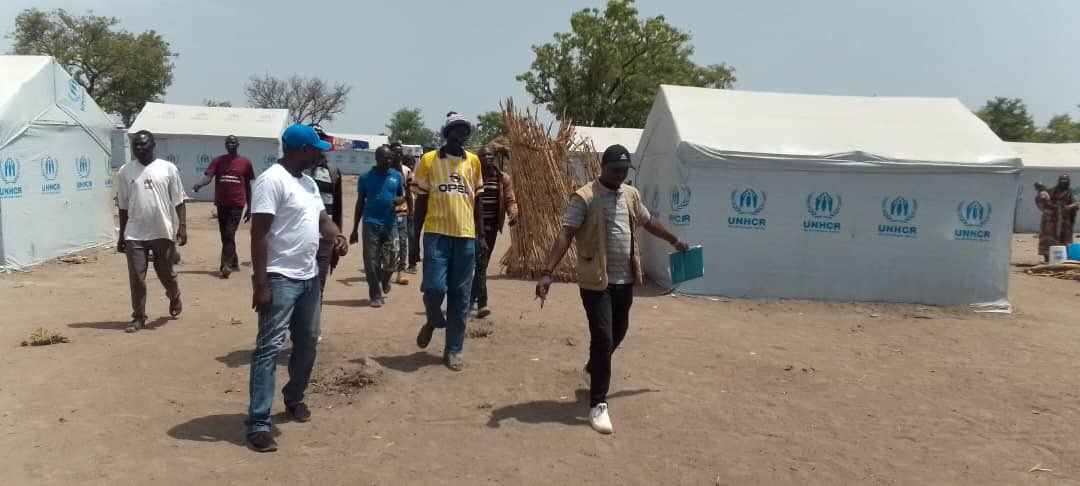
pixel 268 161
pixel 823 208
pixel 974 215
pixel 204 162
pixel 748 205
pixel 82 167
pixel 108 172
pixel 50 170
pixel 77 95
pixel 680 201
pixel 9 175
pixel 172 158
pixel 898 213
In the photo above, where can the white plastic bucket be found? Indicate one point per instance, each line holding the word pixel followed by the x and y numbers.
pixel 1058 254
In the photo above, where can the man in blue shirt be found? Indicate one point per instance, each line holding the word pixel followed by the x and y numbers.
pixel 379 192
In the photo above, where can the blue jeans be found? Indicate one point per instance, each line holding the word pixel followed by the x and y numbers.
pixel 379 257
pixel 295 307
pixel 449 264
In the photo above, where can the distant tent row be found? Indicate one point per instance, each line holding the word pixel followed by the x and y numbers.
pixel 1043 162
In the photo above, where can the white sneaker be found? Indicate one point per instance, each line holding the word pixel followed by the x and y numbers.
pixel 600 420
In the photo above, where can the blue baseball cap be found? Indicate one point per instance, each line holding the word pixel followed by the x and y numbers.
pixel 297 136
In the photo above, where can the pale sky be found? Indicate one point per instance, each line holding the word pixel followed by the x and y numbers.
pixel 439 55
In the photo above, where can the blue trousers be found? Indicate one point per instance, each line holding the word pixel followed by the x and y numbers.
pixel 294 308
pixel 449 264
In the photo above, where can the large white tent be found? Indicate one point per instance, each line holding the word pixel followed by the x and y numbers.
pixel 1043 162
pixel 55 179
pixel 191 136
pixel 830 197
pixel 601 138
pixel 355 161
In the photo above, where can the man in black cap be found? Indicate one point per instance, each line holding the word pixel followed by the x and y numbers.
pixel 602 217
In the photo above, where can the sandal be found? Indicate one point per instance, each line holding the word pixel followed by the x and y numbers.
pixel 135 326
pixel 175 307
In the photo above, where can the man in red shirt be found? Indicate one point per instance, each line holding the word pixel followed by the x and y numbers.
pixel 232 192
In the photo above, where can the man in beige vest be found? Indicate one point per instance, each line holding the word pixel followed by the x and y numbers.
pixel 602 217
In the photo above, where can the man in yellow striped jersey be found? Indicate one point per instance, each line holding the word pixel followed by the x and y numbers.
pixel 448 182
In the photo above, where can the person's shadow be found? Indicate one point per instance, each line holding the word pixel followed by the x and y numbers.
pixel 408 363
pixel 242 357
pixel 554 412
pixel 215 428
pixel 119 325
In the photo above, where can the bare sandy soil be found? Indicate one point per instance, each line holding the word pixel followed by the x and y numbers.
pixel 705 391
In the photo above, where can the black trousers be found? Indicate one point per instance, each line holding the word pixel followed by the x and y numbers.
pixel 228 221
pixel 479 286
pixel 609 318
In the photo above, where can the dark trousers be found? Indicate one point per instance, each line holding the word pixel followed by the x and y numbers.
pixel 324 258
pixel 414 244
pixel 228 221
pixel 138 256
pixel 609 318
pixel 379 258
pixel 479 286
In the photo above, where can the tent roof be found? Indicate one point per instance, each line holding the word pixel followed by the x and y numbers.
pixel 602 138
pixel 165 119
pixel 937 130
pixel 1048 155
pixel 18 70
pixel 37 90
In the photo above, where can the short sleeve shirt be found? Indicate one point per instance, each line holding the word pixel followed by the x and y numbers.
pixel 150 194
pixel 619 237
pixel 379 190
pixel 296 206
pixel 451 184
pixel 231 175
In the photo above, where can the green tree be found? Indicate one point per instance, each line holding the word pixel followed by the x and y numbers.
pixel 1009 119
pixel 218 103
pixel 606 71
pixel 407 126
pixel 120 70
pixel 488 126
pixel 1060 129
pixel 309 100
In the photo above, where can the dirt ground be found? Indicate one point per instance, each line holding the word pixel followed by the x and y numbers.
pixel 705 391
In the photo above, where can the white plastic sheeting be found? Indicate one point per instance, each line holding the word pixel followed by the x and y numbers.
pixel 828 197
pixel 191 136
pixel 355 162
pixel 601 139
pixel 1043 162
pixel 55 175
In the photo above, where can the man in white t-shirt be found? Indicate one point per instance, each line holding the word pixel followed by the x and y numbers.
pixel 287 218
pixel 150 197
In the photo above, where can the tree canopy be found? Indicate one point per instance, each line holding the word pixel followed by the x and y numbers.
pixel 309 100
pixel 606 71
pixel 407 126
pixel 1010 120
pixel 488 126
pixel 120 70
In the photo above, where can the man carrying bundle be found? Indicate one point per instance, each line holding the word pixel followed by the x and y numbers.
pixel 602 217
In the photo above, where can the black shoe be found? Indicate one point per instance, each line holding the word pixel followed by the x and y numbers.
pixel 225 272
pixel 299 412
pixel 423 339
pixel 261 442
pixel 386 288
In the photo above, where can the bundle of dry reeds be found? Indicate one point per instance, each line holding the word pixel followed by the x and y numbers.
pixel 539 163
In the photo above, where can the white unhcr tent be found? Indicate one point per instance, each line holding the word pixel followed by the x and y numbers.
pixel 830 197
pixel 191 136
pixel 355 161
pixel 55 178
pixel 601 139
pixel 1043 162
